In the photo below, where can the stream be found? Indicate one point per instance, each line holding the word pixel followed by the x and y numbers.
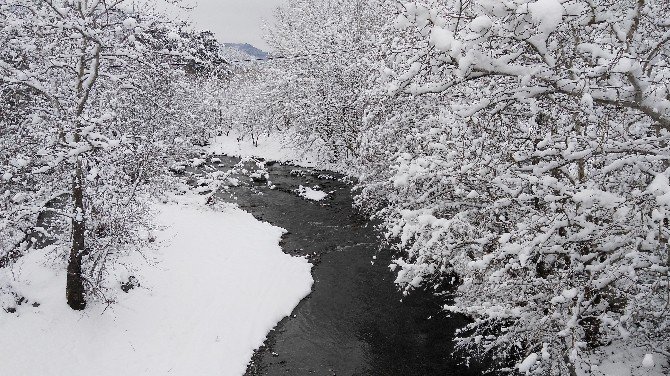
pixel 355 322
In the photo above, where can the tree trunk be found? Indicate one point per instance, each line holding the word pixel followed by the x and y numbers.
pixel 74 288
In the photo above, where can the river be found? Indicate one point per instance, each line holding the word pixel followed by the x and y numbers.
pixel 355 322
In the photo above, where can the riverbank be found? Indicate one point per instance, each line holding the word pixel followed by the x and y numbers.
pixel 200 303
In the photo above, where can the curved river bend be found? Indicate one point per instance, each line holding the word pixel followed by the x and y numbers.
pixel 354 322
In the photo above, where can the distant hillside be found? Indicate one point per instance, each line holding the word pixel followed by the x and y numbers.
pixel 248 49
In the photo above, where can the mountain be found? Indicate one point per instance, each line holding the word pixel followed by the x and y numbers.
pixel 248 49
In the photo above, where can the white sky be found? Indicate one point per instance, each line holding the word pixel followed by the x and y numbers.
pixel 235 21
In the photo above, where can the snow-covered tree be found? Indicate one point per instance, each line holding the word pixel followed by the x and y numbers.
pixel 326 51
pixel 532 172
pixel 88 88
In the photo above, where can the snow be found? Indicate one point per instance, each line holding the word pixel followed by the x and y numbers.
pixel 570 293
pixel 272 148
pixel 528 363
pixel 587 100
pixel 197 162
pixel 547 14
pixel 592 196
pixel 401 22
pixel 219 284
pixel 472 194
pixel 648 361
pixel 481 24
pixel 311 194
pixel 130 23
pixel 441 39
pixel 174 36
pixel 621 359
pixel 660 188
pixel 19 162
pixel 660 185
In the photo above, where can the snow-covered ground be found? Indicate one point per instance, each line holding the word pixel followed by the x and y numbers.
pixel 621 360
pixel 219 283
pixel 273 148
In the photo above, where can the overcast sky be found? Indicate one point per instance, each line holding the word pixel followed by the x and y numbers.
pixel 232 20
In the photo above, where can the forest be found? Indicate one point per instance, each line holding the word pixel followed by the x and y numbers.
pixel 514 156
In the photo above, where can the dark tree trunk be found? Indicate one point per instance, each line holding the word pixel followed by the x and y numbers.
pixel 74 288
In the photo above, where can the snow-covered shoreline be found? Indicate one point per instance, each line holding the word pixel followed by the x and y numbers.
pixel 269 148
pixel 278 147
pixel 219 284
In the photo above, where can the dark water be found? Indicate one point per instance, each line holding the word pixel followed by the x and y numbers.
pixel 354 322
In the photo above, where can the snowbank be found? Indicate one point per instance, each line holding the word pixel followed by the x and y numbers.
pixel 220 285
pixel 280 147
pixel 270 148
